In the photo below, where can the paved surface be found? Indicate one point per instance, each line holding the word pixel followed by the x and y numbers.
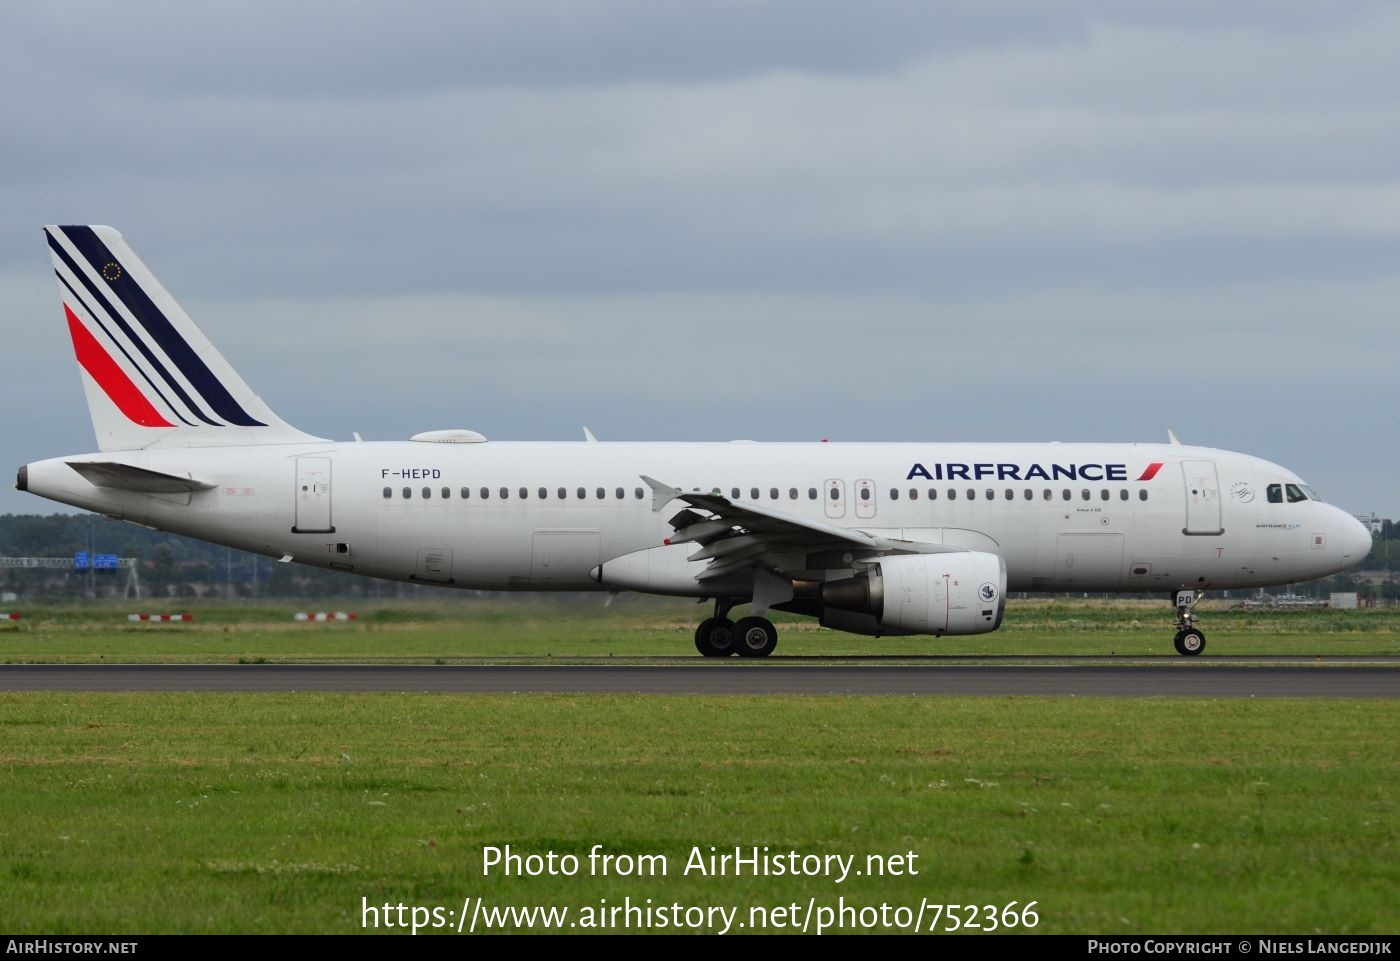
pixel 1171 678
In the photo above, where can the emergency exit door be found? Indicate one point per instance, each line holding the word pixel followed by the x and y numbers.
pixel 865 498
pixel 834 497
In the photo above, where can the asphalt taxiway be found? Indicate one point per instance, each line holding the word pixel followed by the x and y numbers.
pixel 1172 677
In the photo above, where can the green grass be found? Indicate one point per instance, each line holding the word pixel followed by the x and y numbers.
pixel 146 813
pixel 538 627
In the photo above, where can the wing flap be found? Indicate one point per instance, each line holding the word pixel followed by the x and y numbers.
pixel 732 548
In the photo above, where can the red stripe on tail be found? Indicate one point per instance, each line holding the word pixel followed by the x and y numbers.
pixel 1151 471
pixel 111 378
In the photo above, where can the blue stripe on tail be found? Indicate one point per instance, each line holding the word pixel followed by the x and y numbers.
pixel 120 321
pixel 159 327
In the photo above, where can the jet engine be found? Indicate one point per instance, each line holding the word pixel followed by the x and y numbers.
pixel 953 593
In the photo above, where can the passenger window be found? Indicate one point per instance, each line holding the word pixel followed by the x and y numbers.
pixel 638 493
pixel 601 493
pixel 1029 495
pixel 933 493
pixel 773 493
pixel 971 494
pixel 753 493
pixel 407 493
pixel 792 493
pixel 1049 493
pixel 811 493
pixel 734 493
pixel 505 493
pixel 1295 494
pixel 388 492
pixel 485 493
pixel 466 493
pixel 524 493
pixel 865 493
pixel 913 493
pixel 991 494
pixel 620 493
pixel 582 493
pixel 1123 494
pixel 836 493
pixel 1084 494
pixel 427 493
pixel 1142 494
pixel 1103 494
pixel 952 494
pixel 563 493
pixel 447 493
pixel 1065 494
pixel 544 493
pixel 894 493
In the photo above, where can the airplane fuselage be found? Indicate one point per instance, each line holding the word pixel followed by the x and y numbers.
pixel 544 516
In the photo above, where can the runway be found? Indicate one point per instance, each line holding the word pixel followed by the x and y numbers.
pixel 1172 678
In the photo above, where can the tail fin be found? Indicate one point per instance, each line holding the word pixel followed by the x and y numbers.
pixel 152 378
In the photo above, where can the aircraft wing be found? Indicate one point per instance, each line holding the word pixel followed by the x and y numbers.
pixel 734 534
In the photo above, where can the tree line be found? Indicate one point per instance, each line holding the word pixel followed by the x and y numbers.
pixel 169 565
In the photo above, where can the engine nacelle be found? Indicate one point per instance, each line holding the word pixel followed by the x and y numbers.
pixel 953 593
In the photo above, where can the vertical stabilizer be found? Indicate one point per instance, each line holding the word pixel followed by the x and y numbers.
pixel 151 376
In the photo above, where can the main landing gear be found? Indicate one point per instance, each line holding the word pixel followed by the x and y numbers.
pixel 1189 640
pixel 718 636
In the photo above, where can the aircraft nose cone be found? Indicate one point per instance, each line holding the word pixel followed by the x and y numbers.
pixel 1356 541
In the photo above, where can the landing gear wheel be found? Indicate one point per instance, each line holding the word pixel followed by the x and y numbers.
pixel 1190 642
pixel 755 637
pixel 715 637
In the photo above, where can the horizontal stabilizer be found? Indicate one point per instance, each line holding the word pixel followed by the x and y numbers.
pixel 128 478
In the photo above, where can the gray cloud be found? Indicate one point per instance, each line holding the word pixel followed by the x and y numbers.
pixel 786 220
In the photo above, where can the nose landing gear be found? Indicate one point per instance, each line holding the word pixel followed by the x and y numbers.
pixel 1189 640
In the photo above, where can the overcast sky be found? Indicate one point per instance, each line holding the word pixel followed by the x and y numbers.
pixel 703 221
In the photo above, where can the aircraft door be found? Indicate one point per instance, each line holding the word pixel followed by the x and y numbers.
pixel 865 498
pixel 1202 497
pixel 835 498
pixel 313 496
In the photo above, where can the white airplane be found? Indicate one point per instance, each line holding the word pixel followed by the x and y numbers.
pixel 878 539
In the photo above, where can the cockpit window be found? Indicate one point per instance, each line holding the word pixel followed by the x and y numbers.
pixel 1292 493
